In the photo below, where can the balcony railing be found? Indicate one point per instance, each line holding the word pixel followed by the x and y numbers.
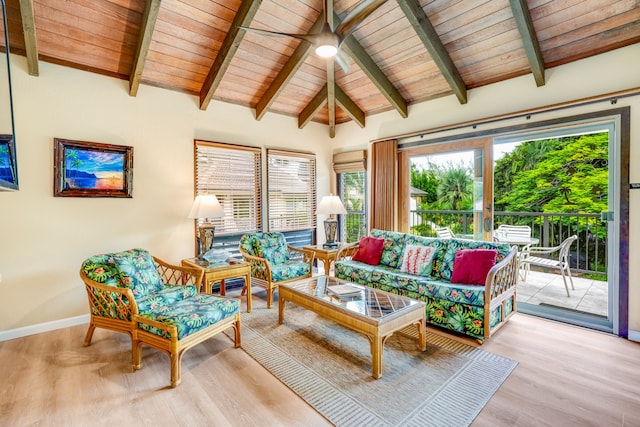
pixel 588 254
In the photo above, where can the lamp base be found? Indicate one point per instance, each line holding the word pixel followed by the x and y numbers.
pixel 333 245
pixel 330 230
pixel 206 233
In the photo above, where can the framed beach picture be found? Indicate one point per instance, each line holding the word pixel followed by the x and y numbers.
pixel 91 169
pixel 8 168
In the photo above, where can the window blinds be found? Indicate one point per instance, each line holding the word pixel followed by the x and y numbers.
pixel 291 186
pixel 233 173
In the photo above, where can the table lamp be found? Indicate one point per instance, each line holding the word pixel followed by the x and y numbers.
pixel 331 205
pixel 205 207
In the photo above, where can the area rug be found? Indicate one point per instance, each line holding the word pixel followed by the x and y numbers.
pixel 329 366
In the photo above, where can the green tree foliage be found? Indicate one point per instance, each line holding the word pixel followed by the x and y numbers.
pixel 425 180
pixel 560 175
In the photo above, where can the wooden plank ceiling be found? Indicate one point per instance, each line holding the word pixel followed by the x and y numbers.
pixel 406 51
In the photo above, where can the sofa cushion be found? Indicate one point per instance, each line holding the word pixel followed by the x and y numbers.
pixel 417 259
pixel 390 279
pixel 369 250
pixel 472 265
pixel 443 266
pixel 393 247
pixel 190 315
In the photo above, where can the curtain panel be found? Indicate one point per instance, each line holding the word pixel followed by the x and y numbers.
pixel 384 178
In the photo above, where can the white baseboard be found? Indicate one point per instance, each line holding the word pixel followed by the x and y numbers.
pixel 634 336
pixel 43 327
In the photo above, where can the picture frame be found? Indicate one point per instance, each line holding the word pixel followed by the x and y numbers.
pixel 92 169
pixel 8 164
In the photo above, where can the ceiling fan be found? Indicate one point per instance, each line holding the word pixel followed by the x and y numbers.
pixel 328 41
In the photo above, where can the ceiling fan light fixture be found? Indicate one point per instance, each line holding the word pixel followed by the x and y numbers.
pixel 326 51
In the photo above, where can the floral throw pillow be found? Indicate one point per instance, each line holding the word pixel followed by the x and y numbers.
pixel 417 259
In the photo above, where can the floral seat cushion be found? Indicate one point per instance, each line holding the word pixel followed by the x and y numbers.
pixel 190 315
pixel 169 294
pixel 289 270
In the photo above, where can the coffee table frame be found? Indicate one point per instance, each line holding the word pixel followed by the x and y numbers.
pixel 376 329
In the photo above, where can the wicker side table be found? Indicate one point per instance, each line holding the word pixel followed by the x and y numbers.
pixel 217 272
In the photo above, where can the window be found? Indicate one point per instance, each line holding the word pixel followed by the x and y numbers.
pixel 352 185
pixel 353 225
pixel 291 186
pixel 233 173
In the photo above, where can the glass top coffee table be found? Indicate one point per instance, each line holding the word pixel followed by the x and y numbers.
pixel 374 313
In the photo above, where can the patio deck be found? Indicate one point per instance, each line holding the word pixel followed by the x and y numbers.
pixel 590 296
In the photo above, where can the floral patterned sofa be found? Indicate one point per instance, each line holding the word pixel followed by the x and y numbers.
pixel 473 310
pixel 273 261
pixel 156 303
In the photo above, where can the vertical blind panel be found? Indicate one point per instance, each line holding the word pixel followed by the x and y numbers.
pixel 233 174
pixel 291 186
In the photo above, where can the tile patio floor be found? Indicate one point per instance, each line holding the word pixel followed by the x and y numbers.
pixel 590 296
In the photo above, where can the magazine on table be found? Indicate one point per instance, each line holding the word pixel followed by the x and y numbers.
pixel 346 291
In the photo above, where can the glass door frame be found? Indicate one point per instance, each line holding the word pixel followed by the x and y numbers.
pixel 484 218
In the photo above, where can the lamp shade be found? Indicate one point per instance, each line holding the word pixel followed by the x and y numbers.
pixel 330 205
pixel 206 206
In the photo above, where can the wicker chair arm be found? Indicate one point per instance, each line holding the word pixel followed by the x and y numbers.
pixel 108 300
pixel 257 262
pixel 347 251
pixel 170 330
pixel 502 276
pixel 179 275
pixel 307 255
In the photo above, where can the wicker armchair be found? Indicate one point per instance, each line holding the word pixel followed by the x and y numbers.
pixel 155 303
pixel 273 261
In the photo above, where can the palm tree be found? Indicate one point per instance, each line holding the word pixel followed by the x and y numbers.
pixel 455 188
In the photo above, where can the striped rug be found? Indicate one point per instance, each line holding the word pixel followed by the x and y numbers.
pixel 330 367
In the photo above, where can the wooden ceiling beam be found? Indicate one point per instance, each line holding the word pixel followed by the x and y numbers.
pixel 287 72
pixel 350 107
pixel 29 31
pixel 147 25
pixel 312 107
pixel 246 12
pixel 425 31
pixel 331 97
pixel 529 38
pixel 375 74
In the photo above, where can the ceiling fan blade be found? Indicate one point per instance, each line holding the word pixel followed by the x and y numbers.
pixel 356 16
pixel 343 60
pixel 307 37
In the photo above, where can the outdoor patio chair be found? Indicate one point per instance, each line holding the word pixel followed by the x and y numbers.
pixel 556 257
pixel 444 233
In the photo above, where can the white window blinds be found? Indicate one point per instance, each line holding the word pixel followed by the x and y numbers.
pixel 233 173
pixel 291 184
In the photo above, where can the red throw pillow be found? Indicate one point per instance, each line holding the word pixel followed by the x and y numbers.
pixel 369 250
pixel 470 266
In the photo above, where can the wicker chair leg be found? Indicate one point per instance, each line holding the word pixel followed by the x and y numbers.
pixel 269 297
pixel 176 361
pixel 136 354
pixel 89 336
pixel 236 330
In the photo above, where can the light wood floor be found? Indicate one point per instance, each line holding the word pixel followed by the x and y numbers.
pixel 566 376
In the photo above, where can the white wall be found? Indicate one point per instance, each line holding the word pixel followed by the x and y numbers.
pixel 602 74
pixel 44 239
